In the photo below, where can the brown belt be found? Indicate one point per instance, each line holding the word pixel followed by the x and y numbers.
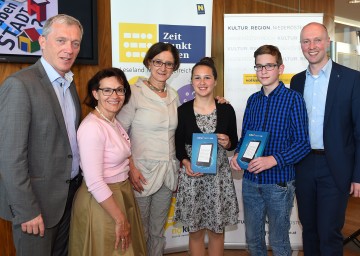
pixel 318 151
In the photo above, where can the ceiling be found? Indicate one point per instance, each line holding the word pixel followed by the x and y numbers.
pixel 348 11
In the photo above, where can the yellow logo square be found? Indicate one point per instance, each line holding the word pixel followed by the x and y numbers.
pixel 135 39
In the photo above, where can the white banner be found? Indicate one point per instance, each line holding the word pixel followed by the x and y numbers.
pixel 135 26
pixel 243 34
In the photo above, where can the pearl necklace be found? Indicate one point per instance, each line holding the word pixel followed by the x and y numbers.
pixel 103 116
pixel 155 88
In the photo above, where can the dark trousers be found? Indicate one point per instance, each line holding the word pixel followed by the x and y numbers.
pixel 56 239
pixel 321 207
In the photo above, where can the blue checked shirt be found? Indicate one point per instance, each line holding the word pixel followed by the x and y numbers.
pixel 283 114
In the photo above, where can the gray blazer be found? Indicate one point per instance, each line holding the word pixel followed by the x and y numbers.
pixel 35 152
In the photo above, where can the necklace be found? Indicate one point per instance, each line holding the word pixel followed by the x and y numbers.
pixel 155 88
pixel 103 116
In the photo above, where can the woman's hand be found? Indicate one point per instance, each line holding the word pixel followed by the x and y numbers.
pixel 122 233
pixel 122 226
pixel 136 178
pixel 223 140
pixel 188 169
pixel 221 100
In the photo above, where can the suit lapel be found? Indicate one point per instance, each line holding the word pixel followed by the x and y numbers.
pixel 335 77
pixel 302 83
pixel 76 101
pixel 298 82
pixel 46 84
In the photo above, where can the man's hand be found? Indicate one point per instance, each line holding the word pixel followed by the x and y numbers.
pixel 35 226
pixel 234 164
pixel 260 164
pixel 355 189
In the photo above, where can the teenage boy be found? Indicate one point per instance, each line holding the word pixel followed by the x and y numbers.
pixel 268 183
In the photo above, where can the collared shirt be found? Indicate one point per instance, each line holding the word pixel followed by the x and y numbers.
pixel 151 122
pixel 315 92
pixel 61 86
pixel 283 114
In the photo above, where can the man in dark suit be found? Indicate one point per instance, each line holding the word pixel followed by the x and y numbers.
pixel 39 159
pixel 331 171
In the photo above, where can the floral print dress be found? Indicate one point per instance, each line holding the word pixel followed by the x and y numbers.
pixel 208 201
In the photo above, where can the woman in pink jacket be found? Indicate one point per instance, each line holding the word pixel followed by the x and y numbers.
pixel 105 218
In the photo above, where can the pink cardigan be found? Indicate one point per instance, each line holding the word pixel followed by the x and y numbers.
pixel 104 152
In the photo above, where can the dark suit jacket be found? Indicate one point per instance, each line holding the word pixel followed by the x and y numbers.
pixel 341 124
pixel 35 152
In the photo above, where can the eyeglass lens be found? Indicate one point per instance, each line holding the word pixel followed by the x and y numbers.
pixel 159 63
pixel 109 91
pixel 268 67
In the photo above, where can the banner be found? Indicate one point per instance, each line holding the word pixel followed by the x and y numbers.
pixel 135 26
pixel 243 34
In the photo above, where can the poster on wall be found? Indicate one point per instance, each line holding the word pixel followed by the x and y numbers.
pixel 135 26
pixel 243 34
pixel 22 22
pixel 21 25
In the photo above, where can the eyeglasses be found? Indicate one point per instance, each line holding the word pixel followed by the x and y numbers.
pixel 109 91
pixel 268 67
pixel 159 63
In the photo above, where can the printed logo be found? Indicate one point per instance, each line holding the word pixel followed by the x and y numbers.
pixel 189 40
pixel 252 79
pixel 200 8
pixel 135 39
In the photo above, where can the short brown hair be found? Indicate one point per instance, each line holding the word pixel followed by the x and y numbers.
pixel 269 49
